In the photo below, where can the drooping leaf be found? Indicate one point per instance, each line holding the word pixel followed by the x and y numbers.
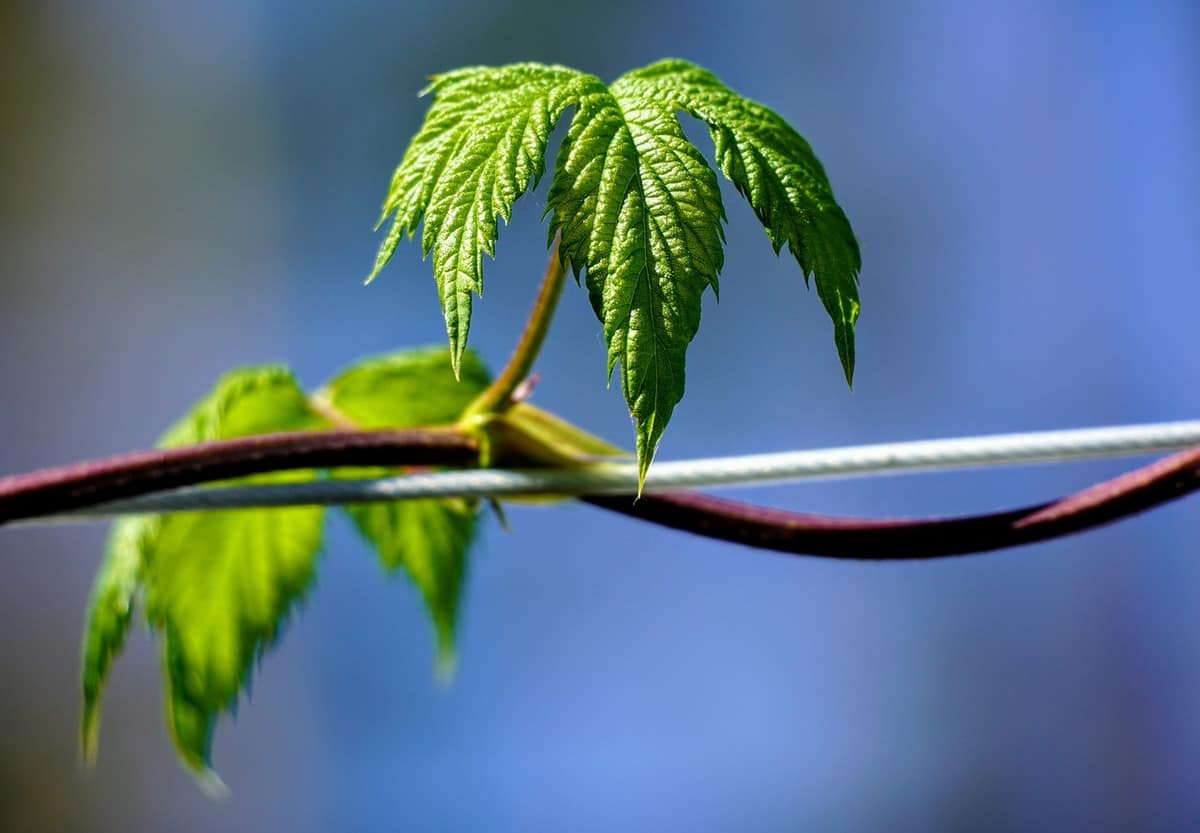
pixel 774 168
pixel 636 204
pixel 219 585
pixel 483 140
pixel 639 208
pixel 428 539
pixel 110 611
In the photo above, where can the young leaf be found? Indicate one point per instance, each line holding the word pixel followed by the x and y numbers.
pixel 482 141
pixel 219 585
pixel 636 204
pixel 406 389
pixel 774 168
pixel 110 611
pixel 428 539
pixel 640 210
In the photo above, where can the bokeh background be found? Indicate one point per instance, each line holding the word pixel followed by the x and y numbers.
pixel 187 187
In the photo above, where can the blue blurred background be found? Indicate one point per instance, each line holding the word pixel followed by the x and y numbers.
pixel 186 187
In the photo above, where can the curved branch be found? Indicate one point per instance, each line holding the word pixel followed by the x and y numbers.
pixel 57 490
pixel 907 539
pixel 54 491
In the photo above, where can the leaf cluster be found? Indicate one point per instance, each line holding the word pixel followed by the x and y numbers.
pixel 217 587
pixel 636 205
pixel 639 218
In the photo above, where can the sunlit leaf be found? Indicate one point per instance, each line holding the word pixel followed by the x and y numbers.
pixel 636 204
pixel 639 208
pixel 482 143
pixel 218 586
pixel 774 168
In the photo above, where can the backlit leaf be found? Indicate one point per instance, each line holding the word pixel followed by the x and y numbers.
pixel 219 585
pixel 639 208
pixel 428 539
pixel 110 612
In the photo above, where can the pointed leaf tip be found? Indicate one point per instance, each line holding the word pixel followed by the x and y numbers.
pixel 89 735
pixel 643 469
pixel 191 727
pixel 639 210
pixel 845 314
pixel 446 665
pixel 647 445
pixel 211 784
pixel 844 338
pixel 109 615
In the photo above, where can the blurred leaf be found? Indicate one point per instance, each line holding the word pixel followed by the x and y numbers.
pixel 407 389
pixel 428 539
pixel 217 585
pixel 110 611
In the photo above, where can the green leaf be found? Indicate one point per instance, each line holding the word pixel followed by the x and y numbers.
pixel 407 389
pixel 482 142
pixel 774 168
pixel 428 539
pixel 219 585
pixel 110 611
pixel 639 208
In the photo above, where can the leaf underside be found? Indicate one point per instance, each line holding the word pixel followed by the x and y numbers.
pixel 636 204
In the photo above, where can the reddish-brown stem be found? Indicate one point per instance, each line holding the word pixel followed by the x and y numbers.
pixel 54 491
pixel 58 490
pixel 908 539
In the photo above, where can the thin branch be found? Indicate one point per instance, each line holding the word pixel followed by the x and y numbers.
pixel 498 396
pixel 907 539
pixel 57 490
pixel 605 477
